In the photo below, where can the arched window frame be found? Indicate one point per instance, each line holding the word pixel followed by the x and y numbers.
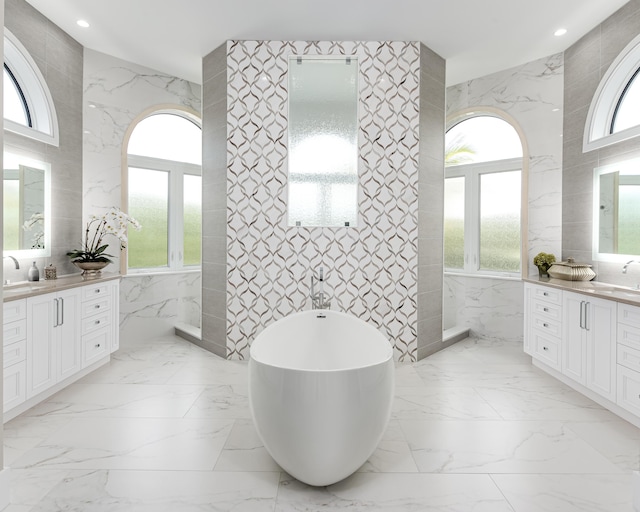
pixel 597 132
pixel 35 91
pixel 158 164
pixel 504 165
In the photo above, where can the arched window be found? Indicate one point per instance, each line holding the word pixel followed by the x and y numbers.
pixel 482 233
pixel 28 105
pixel 164 156
pixel 614 114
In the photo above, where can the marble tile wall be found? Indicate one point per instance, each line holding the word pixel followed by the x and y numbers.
pixel 370 269
pixel 59 58
pixel 532 95
pixel 115 94
pixel 586 63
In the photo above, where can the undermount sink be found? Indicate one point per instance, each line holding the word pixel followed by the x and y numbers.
pixel 619 292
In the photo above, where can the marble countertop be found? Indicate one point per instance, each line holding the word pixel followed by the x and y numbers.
pixel 25 289
pixel 593 288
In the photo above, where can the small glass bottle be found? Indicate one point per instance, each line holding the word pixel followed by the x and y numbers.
pixel 34 273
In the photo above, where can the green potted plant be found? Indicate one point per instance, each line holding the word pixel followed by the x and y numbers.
pixel 543 261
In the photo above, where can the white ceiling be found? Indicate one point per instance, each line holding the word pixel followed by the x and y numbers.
pixel 475 37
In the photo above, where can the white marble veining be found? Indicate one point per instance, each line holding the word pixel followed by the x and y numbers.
pixel 116 93
pixel 164 427
pixel 532 95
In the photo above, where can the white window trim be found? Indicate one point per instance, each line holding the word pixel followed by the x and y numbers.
pixel 472 172
pixel 175 235
pixel 605 100
pixel 36 93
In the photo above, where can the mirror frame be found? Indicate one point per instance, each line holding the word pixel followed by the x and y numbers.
pixel 32 162
pixel 634 164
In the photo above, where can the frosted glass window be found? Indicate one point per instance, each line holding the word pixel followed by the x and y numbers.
pixel 15 107
pixel 627 112
pixel 192 219
pixel 323 141
pixel 454 222
pixel 149 205
pixel 169 137
pixel 482 229
pixel 500 221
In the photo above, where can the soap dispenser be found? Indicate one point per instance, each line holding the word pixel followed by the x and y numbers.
pixel 34 273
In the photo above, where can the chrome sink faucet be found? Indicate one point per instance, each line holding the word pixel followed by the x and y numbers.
pixel 15 261
pixel 624 268
pixel 319 300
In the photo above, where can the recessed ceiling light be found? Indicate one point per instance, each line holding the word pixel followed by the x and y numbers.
pixel 560 32
pixel 83 23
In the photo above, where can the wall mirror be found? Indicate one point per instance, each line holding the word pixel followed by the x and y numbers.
pixel 26 207
pixel 323 141
pixel 616 219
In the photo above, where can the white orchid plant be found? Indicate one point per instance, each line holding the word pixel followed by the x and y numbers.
pixel 114 222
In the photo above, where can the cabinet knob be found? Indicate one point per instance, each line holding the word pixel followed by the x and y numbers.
pixel 545 294
pixel 545 325
pixel 97 290
pixel 97 322
pixel 98 345
pixel 545 348
pixel 546 310
pixel 97 306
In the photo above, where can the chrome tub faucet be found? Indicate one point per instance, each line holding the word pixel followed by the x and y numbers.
pixel 319 300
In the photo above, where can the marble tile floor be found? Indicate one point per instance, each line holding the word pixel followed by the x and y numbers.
pixel 166 427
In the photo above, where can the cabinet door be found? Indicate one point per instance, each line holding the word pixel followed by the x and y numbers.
pixel 68 333
pixel 573 337
pixel 41 344
pixel 601 347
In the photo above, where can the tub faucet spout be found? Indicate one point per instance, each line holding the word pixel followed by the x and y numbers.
pixel 624 268
pixel 15 261
pixel 319 300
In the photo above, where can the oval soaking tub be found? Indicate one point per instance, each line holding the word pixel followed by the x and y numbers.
pixel 320 390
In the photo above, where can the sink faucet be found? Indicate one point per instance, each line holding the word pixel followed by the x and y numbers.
pixel 624 269
pixel 14 260
pixel 318 300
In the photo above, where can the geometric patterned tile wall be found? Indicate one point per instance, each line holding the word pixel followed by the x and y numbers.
pixel 371 269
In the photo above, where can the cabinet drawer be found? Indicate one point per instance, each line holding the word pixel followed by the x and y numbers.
pixel 546 325
pixel 15 385
pixel 14 310
pixel 546 309
pixel 93 307
pixel 546 349
pixel 629 335
pixel 628 396
pixel 547 294
pixel 96 322
pixel 95 346
pixel 14 353
pixel 629 357
pixel 14 331
pixel 628 314
pixel 92 292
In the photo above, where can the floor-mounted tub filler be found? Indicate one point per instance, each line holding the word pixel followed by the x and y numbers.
pixel 321 386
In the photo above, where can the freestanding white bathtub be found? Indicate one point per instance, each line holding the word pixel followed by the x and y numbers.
pixel 320 389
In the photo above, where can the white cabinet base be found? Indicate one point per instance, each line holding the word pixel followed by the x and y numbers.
pixel 5 496
pixel 607 404
pixel 36 399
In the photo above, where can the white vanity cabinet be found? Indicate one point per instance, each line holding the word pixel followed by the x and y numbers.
pixel 543 324
pixel 588 340
pixel 53 339
pixel 628 358
pixel 15 349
